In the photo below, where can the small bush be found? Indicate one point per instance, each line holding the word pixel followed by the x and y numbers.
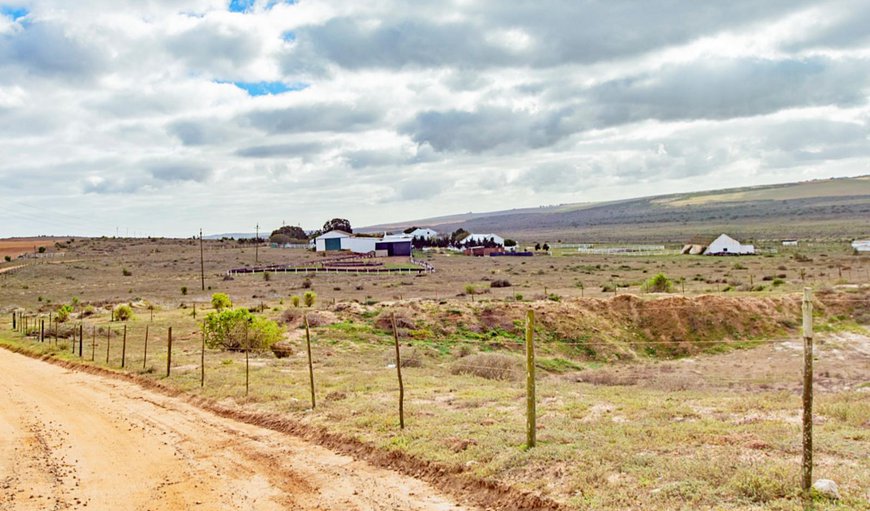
pixel 184 290
pixel 63 313
pixel 500 283
pixel 8 258
pixel 492 366
pixel 122 312
pixel 306 284
pixel 267 276
pixel 309 298
pixel 125 272
pixel 295 300
pixel 89 311
pixel 221 301
pixel 777 282
pixel 227 330
pixel 470 289
pixel 41 250
pixel 659 284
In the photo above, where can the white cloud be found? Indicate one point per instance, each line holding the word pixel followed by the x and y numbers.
pixel 438 106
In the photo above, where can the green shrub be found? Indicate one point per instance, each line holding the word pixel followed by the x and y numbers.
pixel 184 290
pixel 762 484
pixel 41 250
pixel 221 301
pixel 309 298
pixel 227 330
pixel 659 284
pixel 125 272
pixel 122 312
pixel 777 282
pixel 63 313
pixel 470 289
pixel 295 300
pixel 8 258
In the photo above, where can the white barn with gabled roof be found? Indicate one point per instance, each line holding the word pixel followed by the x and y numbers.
pixel 726 245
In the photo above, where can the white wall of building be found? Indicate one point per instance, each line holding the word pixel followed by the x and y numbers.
pixel 725 244
pixel 320 241
pixel 359 245
pixel 478 238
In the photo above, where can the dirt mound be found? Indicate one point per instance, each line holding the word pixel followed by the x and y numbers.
pixel 623 326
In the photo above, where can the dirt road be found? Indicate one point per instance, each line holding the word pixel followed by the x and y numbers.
pixel 71 440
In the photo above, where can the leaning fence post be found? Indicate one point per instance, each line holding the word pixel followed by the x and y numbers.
pixel 124 348
pixel 169 352
pixel 530 380
pixel 310 362
pixel 807 461
pixel 399 373
pixel 145 351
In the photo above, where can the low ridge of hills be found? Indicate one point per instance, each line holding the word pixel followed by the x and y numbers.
pixel 830 209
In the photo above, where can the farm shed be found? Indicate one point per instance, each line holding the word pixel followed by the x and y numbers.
pixel 789 243
pixel 330 240
pixel 861 245
pixel 726 245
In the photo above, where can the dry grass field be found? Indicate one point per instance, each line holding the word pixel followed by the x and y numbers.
pixel 644 402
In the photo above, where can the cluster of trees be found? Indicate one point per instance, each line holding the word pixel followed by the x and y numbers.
pixel 294 234
pixel 456 239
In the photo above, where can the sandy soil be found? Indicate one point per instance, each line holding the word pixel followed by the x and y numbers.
pixel 71 440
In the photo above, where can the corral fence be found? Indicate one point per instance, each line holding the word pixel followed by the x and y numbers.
pixel 108 344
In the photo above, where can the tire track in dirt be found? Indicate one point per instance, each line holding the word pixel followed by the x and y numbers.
pixel 72 440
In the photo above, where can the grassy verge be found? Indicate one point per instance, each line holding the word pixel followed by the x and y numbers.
pixel 600 446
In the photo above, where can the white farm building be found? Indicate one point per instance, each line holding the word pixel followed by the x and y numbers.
pixel 726 245
pixel 424 233
pixel 861 245
pixel 387 245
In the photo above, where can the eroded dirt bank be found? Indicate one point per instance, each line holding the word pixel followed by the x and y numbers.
pixel 72 440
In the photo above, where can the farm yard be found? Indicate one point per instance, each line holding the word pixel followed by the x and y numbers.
pixel 645 400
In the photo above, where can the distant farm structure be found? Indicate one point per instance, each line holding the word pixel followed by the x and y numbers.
pixel 629 250
pixel 387 245
pixel 721 246
pixel 861 245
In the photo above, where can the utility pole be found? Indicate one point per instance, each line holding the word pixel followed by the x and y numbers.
pixel 201 260
pixel 257 246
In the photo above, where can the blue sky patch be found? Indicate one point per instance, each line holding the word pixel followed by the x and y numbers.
pixel 288 36
pixel 269 88
pixel 241 5
pixel 15 13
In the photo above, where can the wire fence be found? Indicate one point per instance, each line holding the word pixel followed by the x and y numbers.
pixel 156 350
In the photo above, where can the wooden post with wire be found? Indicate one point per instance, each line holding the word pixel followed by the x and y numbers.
pixel 108 342
pixel 247 362
pixel 310 361
pixel 145 350
pixel 124 348
pixel 531 417
pixel 14 321
pixel 169 353
pixel 202 362
pixel 807 459
pixel 41 330
pixel 94 344
pixel 399 374
pixel 81 338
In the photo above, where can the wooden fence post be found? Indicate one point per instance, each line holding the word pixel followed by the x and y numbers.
pixel 94 344
pixel 108 342
pixel 145 351
pixel 56 326
pixel 81 338
pixel 169 353
pixel 124 348
pixel 807 461
pixel 202 362
pixel 247 362
pixel 41 330
pixel 399 373
pixel 14 321
pixel 531 418
pixel 310 362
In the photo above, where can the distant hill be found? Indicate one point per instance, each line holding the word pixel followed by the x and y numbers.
pixel 821 209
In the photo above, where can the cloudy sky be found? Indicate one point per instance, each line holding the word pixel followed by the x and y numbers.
pixel 163 116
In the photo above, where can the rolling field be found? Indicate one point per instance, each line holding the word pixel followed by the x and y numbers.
pixel 653 401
